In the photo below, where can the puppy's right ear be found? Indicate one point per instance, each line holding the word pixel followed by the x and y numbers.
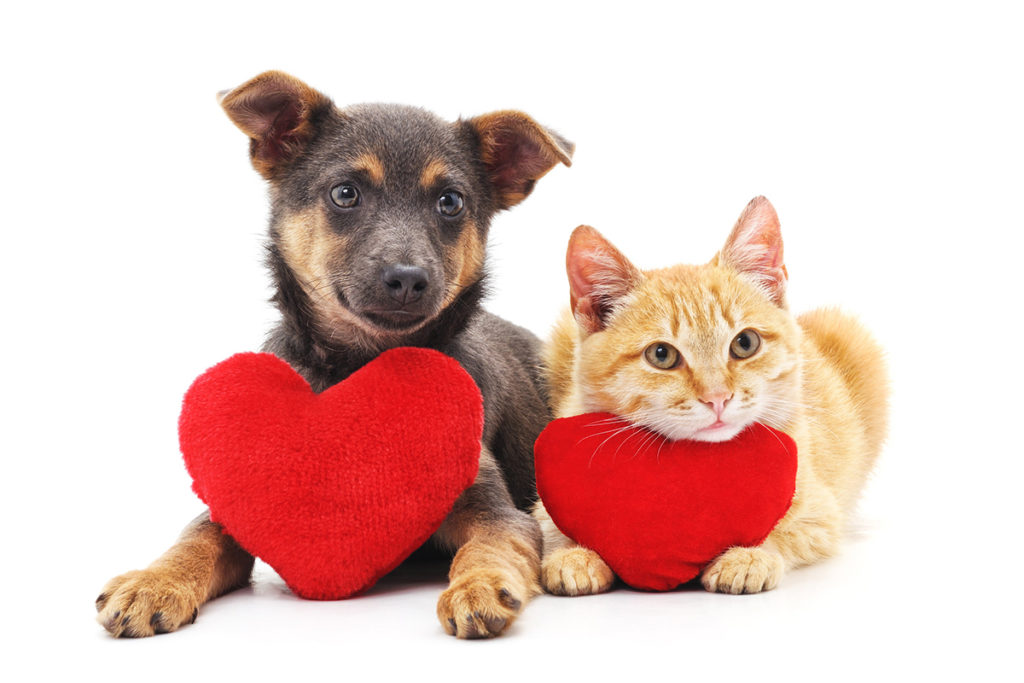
pixel 279 114
pixel 599 277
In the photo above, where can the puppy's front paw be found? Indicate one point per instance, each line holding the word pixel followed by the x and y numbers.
pixel 744 570
pixel 480 604
pixel 575 571
pixel 144 603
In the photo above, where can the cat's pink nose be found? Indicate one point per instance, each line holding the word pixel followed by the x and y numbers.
pixel 717 401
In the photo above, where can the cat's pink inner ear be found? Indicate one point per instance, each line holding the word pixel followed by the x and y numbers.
pixel 599 276
pixel 755 248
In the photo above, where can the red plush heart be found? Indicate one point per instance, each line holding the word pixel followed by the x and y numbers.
pixel 659 511
pixel 332 490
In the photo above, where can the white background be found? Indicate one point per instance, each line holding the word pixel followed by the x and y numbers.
pixel 888 136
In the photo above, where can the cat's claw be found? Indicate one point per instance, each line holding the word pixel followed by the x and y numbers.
pixel 575 571
pixel 744 570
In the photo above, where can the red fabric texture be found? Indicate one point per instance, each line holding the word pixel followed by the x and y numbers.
pixel 659 511
pixel 332 490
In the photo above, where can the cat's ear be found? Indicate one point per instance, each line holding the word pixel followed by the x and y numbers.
pixel 755 249
pixel 279 113
pixel 599 277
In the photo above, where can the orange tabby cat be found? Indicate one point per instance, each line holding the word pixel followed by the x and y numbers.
pixel 701 352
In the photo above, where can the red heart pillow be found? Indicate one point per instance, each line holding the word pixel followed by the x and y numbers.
pixel 332 490
pixel 659 511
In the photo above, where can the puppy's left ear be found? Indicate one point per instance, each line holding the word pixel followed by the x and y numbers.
pixel 517 151
pixel 279 113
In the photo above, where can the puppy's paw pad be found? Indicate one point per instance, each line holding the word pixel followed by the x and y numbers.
pixel 145 603
pixel 744 570
pixel 479 604
pixel 576 571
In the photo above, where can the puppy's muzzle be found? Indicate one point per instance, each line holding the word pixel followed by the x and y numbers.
pixel 405 284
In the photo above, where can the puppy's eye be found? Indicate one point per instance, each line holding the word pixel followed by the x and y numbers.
pixel 745 344
pixel 345 195
pixel 450 203
pixel 662 356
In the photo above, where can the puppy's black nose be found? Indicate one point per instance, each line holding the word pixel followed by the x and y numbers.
pixel 404 283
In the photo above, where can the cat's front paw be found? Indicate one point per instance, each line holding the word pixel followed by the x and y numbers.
pixel 575 571
pixel 744 570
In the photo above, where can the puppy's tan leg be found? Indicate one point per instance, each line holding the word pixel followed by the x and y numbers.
pixel 495 570
pixel 568 568
pixel 204 563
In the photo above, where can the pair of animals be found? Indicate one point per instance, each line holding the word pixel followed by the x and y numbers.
pixel 378 230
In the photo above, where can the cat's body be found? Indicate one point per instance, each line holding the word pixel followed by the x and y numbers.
pixel 701 352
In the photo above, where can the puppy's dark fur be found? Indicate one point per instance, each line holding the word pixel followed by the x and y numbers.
pixel 378 230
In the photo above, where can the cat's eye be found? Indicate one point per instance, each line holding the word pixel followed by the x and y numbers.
pixel 662 356
pixel 450 203
pixel 345 195
pixel 745 344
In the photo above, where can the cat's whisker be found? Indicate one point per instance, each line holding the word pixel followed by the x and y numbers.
pixel 780 412
pixel 608 420
pixel 651 437
pixel 774 435
pixel 657 456
pixel 614 434
pixel 635 433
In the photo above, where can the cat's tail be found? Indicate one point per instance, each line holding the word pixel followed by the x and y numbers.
pixel 860 361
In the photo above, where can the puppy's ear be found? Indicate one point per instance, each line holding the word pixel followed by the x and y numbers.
pixel 517 151
pixel 279 113
pixel 599 277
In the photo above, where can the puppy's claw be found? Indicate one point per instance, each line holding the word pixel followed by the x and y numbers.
pixel 496 624
pixel 509 600
pixel 156 622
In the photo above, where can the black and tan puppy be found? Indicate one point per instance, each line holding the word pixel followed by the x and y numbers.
pixel 378 231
